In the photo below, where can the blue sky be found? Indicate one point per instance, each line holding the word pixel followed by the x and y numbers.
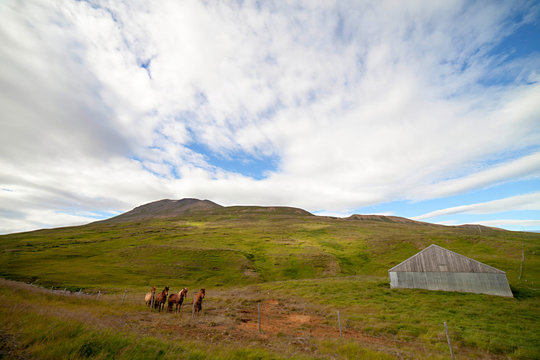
pixel 426 110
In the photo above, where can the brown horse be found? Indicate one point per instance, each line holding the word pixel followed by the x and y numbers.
pixel 148 296
pixel 177 299
pixel 161 298
pixel 198 300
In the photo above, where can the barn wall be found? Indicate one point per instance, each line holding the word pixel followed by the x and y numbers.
pixel 481 283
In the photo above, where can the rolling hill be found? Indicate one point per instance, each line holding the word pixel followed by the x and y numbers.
pixel 194 241
pixel 289 253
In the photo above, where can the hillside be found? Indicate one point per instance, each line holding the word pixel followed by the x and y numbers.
pixel 322 263
pixel 193 241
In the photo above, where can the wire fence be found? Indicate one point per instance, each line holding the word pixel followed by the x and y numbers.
pixel 127 298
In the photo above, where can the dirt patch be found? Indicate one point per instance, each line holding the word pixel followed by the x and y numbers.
pixel 298 319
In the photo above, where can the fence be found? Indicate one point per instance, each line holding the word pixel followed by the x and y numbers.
pixel 136 298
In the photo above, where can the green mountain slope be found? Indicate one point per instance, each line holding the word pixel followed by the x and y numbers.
pixel 199 243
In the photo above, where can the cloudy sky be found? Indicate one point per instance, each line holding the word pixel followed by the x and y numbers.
pixel 423 109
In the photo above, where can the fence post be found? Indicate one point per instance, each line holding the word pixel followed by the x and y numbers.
pixel 448 338
pixel 522 259
pixel 259 307
pixel 123 298
pixel 339 322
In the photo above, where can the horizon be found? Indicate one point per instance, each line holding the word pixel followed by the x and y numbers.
pixel 277 206
pixel 427 111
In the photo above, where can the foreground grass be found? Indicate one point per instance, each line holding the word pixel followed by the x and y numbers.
pixel 496 325
pixel 39 324
pixel 46 335
pixel 378 323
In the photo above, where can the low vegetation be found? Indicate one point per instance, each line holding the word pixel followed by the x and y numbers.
pixel 311 266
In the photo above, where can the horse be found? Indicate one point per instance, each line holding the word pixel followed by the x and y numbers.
pixel 148 296
pixel 198 300
pixel 177 299
pixel 161 298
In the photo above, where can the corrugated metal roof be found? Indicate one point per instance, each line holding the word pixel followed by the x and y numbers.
pixel 438 259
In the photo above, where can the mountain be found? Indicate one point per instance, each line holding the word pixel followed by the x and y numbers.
pixel 195 241
pixel 165 208
pixel 174 208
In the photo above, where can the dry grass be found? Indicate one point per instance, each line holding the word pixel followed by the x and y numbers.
pixel 291 327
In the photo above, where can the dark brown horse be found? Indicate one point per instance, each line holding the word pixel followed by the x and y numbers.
pixel 198 300
pixel 177 299
pixel 161 298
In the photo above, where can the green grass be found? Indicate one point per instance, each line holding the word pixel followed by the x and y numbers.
pixel 341 264
pixel 39 324
pixel 495 324
pixel 47 337
pixel 238 248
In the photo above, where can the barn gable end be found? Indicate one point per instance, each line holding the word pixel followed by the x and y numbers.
pixel 438 259
pixel 436 268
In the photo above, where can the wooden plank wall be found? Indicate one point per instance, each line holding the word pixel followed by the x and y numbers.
pixel 437 259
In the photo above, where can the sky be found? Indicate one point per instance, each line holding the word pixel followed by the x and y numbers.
pixel 423 109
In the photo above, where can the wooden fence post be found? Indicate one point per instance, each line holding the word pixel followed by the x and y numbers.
pixel 259 307
pixel 449 343
pixel 124 297
pixel 339 322
pixel 522 259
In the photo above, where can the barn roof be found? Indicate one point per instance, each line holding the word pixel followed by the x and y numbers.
pixel 438 259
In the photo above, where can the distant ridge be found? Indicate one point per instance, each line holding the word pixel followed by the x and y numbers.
pixel 384 218
pixel 165 208
pixel 173 208
pixel 479 227
pixel 274 210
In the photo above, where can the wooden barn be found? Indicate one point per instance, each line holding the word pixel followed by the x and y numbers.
pixel 436 268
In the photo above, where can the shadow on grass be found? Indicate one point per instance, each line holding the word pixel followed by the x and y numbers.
pixel 521 293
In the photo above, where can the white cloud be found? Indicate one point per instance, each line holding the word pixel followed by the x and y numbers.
pixel 524 167
pixel 359 104
pixel 530 201
pixel 506 222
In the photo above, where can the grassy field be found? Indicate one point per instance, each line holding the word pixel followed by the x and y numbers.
pixel 313 266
